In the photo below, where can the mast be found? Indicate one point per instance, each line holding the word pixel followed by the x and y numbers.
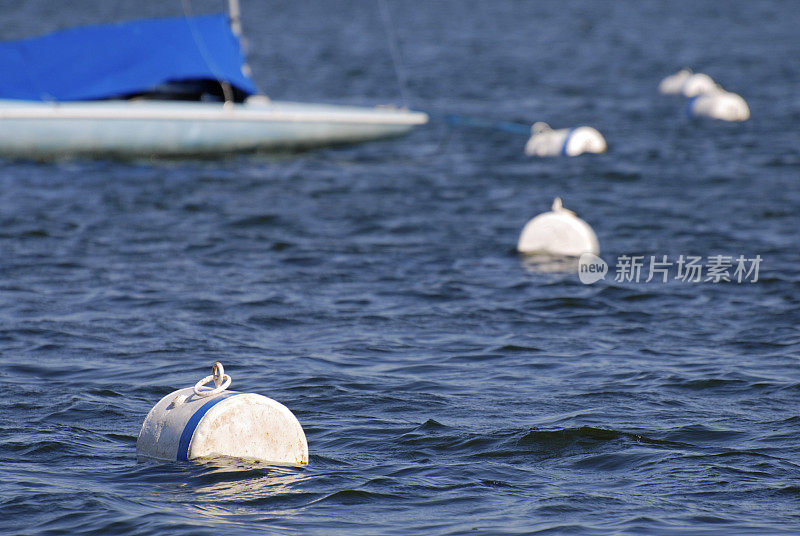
pixel 235 15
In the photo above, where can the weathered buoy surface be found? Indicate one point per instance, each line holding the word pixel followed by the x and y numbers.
pixel 199 422
pixel 558 232
pixel 720 104
pixel 545 141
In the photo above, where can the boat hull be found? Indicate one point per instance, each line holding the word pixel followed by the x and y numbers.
pixel 131 129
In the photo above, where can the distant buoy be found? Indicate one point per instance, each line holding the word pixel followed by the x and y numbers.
pixel 719 104
pixel 545 141
pixel 199 422
pixel 698 84
pixel 708 99
pixel 688 84
pixel 558 232
pixel 673 84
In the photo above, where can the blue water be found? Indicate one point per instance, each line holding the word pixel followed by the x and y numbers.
pixel 444 386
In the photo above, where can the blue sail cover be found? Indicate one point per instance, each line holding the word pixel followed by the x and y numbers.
pixel 114 60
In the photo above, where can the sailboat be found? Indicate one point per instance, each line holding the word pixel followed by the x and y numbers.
pixel 169 87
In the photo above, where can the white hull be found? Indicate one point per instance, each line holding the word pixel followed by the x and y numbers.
pixel 131 129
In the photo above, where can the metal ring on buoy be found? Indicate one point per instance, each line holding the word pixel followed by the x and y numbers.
pixel 197 423
pixel 221 381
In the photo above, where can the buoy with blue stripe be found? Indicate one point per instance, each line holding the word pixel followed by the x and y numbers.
pixel 558 232
pixel 204 422
pixel 707 98
pixel 545 141
pixel 719 104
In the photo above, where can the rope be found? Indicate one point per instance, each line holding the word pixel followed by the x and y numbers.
pixel 394 47
pixel 480 122
pixel 402 84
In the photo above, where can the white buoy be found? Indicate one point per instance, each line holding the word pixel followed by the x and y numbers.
pixel 698 84
pixel 558 232
pixel 199 422
pixel 673 84
pixel 545 141
pixel 719 104
pixel 687 83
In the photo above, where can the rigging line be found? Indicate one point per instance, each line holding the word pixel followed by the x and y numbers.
pixel 394 47
pixel 227 91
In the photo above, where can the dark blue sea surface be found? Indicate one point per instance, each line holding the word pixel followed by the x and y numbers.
pixel 445 386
